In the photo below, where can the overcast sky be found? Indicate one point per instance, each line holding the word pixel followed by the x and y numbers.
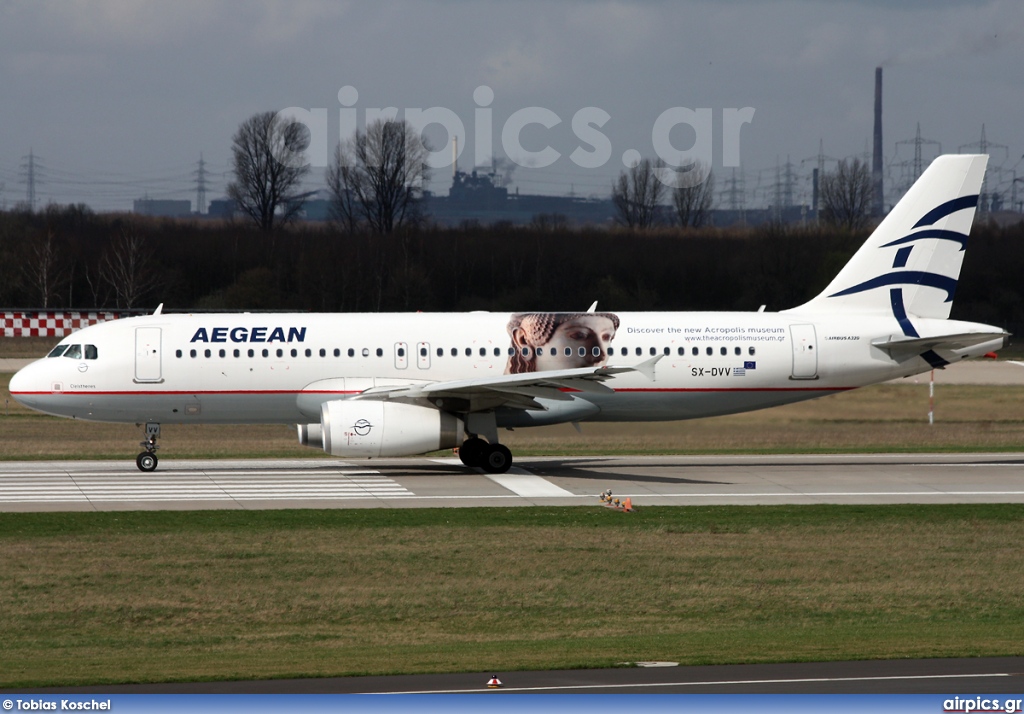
pixel 118 98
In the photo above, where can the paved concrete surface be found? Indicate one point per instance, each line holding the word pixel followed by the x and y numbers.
pixel 432 483
pixel 1003 675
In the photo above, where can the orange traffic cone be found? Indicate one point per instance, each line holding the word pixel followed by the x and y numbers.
pixel 628 505
pixel 494 683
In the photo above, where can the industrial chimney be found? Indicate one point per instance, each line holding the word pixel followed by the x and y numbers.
pixel 877 199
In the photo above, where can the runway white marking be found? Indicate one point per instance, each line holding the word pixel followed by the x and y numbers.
pixel 710 683
pixel 520 482
pixel 58 486
pixel 527 485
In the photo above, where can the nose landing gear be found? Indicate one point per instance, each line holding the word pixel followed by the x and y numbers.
pixel 147 461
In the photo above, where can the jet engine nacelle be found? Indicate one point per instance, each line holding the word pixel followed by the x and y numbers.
pixel 370 428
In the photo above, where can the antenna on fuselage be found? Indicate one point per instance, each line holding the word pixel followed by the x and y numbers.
pixel 593 308
pixel 159 309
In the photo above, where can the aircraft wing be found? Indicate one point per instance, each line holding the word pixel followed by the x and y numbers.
pixel 904 349
pixel 514 390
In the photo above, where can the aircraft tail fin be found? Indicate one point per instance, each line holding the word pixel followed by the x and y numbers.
pixel 911 263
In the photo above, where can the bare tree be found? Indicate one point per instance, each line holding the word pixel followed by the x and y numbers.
pixel 377 177
pixel 269 165
pixel 637 192
pixel 693 195
pixel 127 266
pixel 845 195
pixel 44 270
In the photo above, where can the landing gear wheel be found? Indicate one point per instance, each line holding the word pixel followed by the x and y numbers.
pixel 498 459
pixel 473 451
pixel 146 461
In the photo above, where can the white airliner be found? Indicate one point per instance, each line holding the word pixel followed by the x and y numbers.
pixel 369 385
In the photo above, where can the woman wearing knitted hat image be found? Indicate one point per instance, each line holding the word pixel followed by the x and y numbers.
pixel 544 341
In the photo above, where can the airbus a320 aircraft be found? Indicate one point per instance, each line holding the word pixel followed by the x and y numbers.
pixel 377 385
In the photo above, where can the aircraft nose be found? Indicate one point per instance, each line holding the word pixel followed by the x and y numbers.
pixel 22 384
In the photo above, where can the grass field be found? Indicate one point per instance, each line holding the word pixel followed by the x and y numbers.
pixel 117 597
pixel 91 598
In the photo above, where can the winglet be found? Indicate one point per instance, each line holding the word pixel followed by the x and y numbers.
pixel 646 368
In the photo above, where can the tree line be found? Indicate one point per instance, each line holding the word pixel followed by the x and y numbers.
pixel 69 257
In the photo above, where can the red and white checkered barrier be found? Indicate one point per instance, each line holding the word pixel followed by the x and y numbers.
pixel 41 323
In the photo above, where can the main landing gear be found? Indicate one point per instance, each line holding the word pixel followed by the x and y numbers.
pixel 492 458
pixel 147 461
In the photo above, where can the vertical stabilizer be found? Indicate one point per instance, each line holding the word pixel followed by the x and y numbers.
pixel 911 263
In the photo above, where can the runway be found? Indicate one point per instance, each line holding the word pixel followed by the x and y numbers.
pixel 1003 675
pixel 434 483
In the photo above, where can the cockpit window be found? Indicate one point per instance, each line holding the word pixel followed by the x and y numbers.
pixel 57 351
pixel 74 352
pixel 91 352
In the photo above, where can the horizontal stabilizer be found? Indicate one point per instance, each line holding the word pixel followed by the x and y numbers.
pixel 902 348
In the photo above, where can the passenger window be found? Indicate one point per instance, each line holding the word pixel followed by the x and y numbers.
pixel 596 351
pixel 351 352
pixel 483 351
pixel 667 351
pixel 568 351
pixel 440 351
pixel 251 353
pixel 526 352
pixel 654 351
pixel 469 351
pixel 724 351
pixel 280 352
pixel 696 351
pixel 681 351
pixel 222 353
pixel 497 352
pixel 710 351
pixel 380 352
pixel 177 353
pixel 309 352
pixel 511 351
pixel 423 351
pixel 192 354
pixel 74 352
pixel 337 352
pixel 639 351
pixel 738 351
pixel 540 351
pixel 750 350
pixel 266 353
pixel 323 352
pixel 237 353
pixel 206 353
pixel 366 352
pixel 455 351
pixel 57 351
pixel 295 352
pixel 401 352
